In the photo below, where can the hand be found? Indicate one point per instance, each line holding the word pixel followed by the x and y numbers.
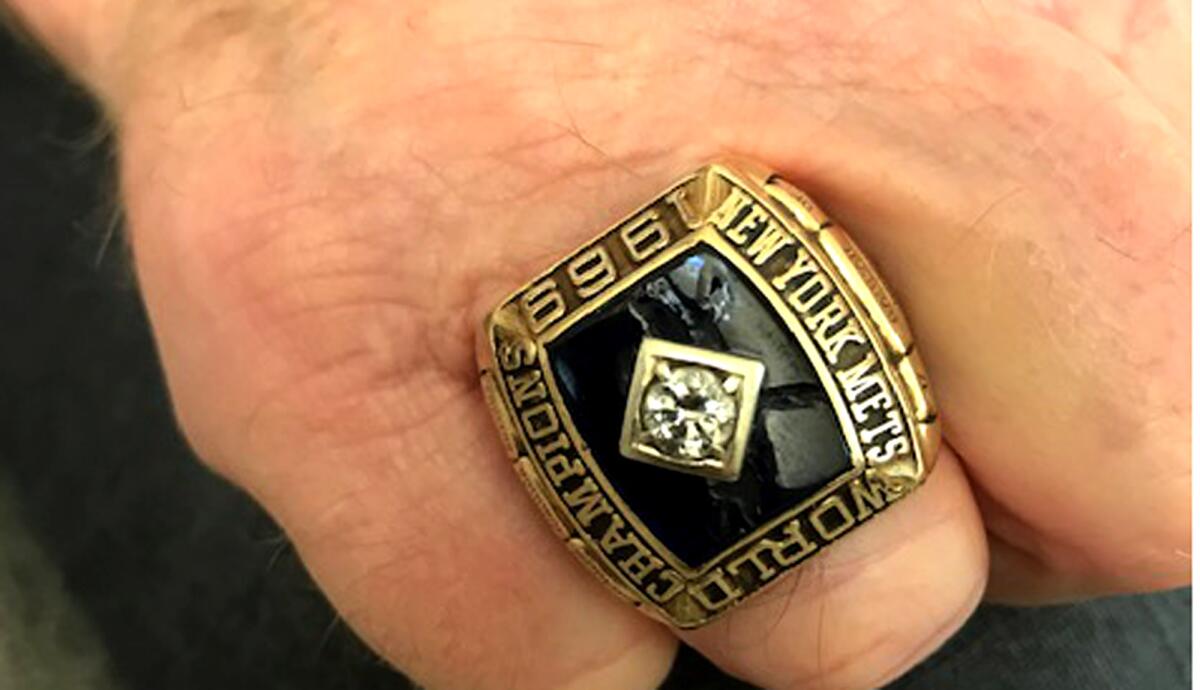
pixel 324 198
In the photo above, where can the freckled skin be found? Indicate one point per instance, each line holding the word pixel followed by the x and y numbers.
pixel 324 198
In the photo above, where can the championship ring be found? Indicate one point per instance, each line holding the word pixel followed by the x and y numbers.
pixel 709 393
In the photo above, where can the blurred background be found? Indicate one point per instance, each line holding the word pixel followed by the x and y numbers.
pixel 125 565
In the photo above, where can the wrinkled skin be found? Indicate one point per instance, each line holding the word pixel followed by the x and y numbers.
pixel 325 197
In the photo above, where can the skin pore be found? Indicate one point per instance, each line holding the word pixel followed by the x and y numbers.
pixel 325 197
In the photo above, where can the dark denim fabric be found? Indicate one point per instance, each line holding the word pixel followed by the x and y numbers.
pixel 1122 643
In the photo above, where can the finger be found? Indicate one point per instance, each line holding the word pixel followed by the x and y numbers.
pixel 401 503
pixel 431 550
pixel 1046 284
pixel 869 607
pixel 1061 358
pixel 1140 39
pixel 321 359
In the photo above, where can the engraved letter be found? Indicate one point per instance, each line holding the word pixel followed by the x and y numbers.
pixel 751 222
pixel 844 520
pixel 881 400
pixel 824 322
pixel 894 447
pixel 589 501
pixel 892 424
pixel 543 305
pixel 730 209
pixel 644 236
pixel 725 591
pixel 614 536
pixel 591 271
pixel 539 421
pixel 560 467
pixel 526 387
pixel 673 581
pixel 816 288
pixel 769 241
pixel 857 379
pixel 795 537
pixel 514 354
pixel 765 572
pixel 803 263
pixel 560 442
pixel 868 498
pixel 640 564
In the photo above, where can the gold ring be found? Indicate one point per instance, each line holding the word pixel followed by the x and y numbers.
pixel 709 393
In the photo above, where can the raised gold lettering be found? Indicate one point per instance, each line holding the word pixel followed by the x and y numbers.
pixel 640 564
pixel 843 521
pixel 615 536
pixel 560 442
pixel 860 377
pixel 732 206
pixel 539 421
pixel 588 502
pixel 752 556
pixel 542 305
pixel 526 387
pixel 751 222
pixel 515 354
pixel 674 583
pixel 591 271
pixel 715 585
pixel 795 548
pixel 559 468
pixel 892 448
pixel 892 425
pixel 645 235
pixel 801 264
pixel 815 288
pixel 768 243
pixel 867 498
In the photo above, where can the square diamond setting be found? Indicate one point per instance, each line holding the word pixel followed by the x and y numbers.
pixel 690 409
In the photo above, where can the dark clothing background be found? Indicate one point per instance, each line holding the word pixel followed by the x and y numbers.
pixel 126 565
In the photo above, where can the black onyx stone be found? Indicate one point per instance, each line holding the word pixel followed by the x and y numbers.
pixel 796 446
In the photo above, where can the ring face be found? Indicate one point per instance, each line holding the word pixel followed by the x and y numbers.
pixel 709 393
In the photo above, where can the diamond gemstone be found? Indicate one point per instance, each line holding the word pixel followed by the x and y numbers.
pixel 687 412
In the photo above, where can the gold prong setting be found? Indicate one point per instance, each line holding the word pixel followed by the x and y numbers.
pixel 690 409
